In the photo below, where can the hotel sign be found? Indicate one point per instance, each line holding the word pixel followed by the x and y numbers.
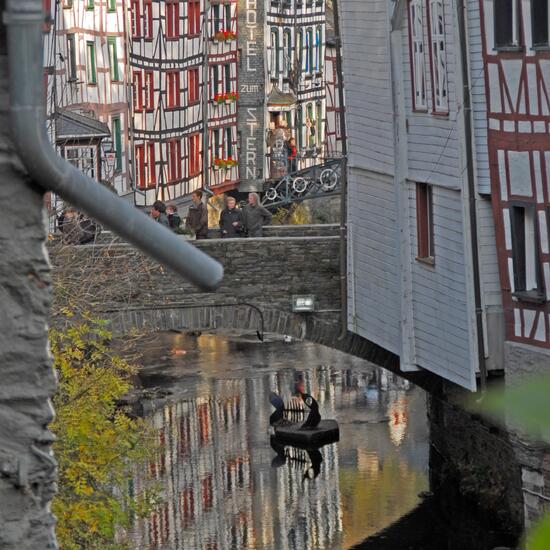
pixel 251 103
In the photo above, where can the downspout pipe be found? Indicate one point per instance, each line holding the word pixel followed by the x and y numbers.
pixel 467 114
pixel 343 177
pixel 24 19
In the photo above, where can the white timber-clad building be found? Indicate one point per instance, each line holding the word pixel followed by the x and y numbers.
pixel 412 266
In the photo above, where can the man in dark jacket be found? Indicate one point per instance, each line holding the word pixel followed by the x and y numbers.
pixel 231 220
pixel 197 217
pixel 255 216
pixel 158 213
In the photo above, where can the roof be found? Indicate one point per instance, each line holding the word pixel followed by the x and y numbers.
pixel 72 125
pixel 279 99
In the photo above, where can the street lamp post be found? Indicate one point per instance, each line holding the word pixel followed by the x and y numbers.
pixel 108 157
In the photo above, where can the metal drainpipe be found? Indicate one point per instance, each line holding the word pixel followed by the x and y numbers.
pixel 467 114
pixel 343 176
pixel 24 20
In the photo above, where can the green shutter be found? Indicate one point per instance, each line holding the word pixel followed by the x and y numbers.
pixel 89 4
pixel 92 78
pixel 117 137
pixel 113 57
pixel 112 5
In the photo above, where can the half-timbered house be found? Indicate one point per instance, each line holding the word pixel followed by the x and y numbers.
pixel 86 76
pixel 516 54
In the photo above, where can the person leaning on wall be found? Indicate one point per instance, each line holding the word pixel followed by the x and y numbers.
pixel 255 216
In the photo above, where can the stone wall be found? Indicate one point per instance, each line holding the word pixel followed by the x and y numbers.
pixel 27 469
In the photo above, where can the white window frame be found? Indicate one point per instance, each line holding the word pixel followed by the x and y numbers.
pixel 416 19
pixel 438 58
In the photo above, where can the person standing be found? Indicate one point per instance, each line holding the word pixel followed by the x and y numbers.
pixel 292 154
pixel 197 217
pixel 158 213
pixel 231 220
pixel 255 216
pixel 173 217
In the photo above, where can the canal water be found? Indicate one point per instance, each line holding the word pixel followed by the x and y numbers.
pixel 223 485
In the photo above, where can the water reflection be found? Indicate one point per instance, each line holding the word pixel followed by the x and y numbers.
pixel 226 485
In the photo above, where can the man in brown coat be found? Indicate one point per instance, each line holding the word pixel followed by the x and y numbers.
pixel 197 217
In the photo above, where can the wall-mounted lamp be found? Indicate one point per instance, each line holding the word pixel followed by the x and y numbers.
pixel 303 303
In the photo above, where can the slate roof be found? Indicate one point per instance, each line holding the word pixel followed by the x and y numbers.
pixel 276 98
pixel 71 125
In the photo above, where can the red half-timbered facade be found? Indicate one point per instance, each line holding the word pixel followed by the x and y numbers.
pixel 516 53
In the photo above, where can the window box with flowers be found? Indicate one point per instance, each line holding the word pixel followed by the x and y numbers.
pixel 224 36
pixel 225 164
pixel 227 98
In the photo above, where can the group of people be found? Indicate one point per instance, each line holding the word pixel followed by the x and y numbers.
pixel 76 228
pixel 234 222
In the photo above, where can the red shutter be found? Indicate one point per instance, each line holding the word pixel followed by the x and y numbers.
pixel 138 91
pixel 140 166
pixel 151 171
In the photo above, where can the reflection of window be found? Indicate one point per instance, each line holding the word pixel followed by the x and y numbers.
pixel 424 221
pixel 416 21
pixel 438 56
pixel 71 55
pixel 172 19
pixel 274 53
pixel 194 17
pixel 525 252
pixel 148 18
pixel 540 17
pixel 149 90
pixel 113 58
pixel 136 18
pixel 90 63
pixel 173 85
pixel 506 23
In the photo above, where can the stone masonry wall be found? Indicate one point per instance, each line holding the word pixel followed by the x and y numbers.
pixel 27 468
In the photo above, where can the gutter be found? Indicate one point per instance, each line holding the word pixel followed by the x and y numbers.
pixel 468 132
pixel 24 20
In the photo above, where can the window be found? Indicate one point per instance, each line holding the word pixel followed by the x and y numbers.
pixel 310 126
pixel 287 53
pixel 227 15
pixel 90 63
pixel 309 51
pixel 117 139
pixel 299 127
pixel 137 85
pixel 71 56
pixel 89 4
pixel 216 18
pixel 174 160
pixel 274 53
pixel 172 19
pixel 148 19
pixel 506 23
pixel 318 49
pixel 140 166
pixel 299 50
pixel 424 222
pixel 525 253
pixel 151 170
pixel 194 155
pixel 68 3
pixel 173 89
pixel 438 57
pixel 228 142
pixel 111 5
pixel 319 118
pixel 192 86
pixel 216 134
pixel 83 158
pixel 113 58
pixel 136 18
pixel 149 90
pixel 227 77
pixel 215 80
pixel 540 17
pixel 194 17
pixel 416 20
